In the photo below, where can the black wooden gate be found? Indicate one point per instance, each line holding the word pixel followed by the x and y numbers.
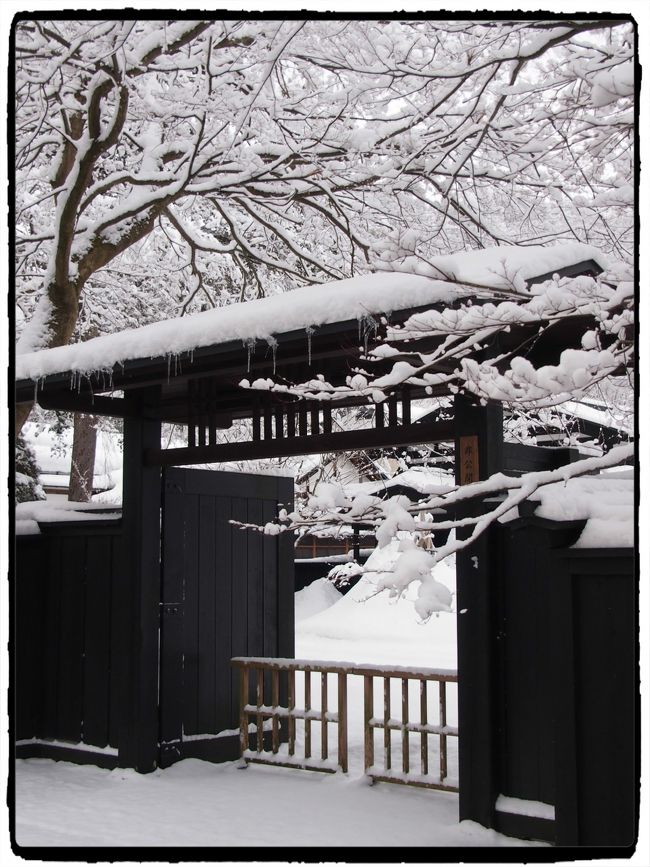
pixel 225 592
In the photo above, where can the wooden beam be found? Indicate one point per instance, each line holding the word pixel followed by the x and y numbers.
pixel 478 454
pixel 139 594
pixel 413 434
pixel 72 401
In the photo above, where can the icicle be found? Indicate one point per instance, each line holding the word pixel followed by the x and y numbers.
pixel 367 322
pixel 309 331
pixel 169 365
pixel 273 343
pixel 249 343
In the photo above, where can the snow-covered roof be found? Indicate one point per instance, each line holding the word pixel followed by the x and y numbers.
pixel 506 267
pixel 603 415
pixel 422 480
pixel 310 307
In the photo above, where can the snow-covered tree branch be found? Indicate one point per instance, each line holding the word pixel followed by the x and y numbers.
pixel 500 495
pixel 187 162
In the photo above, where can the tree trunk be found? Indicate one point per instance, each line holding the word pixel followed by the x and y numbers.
pixel 83 458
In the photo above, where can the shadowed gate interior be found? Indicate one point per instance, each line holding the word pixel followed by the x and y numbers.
pixel 224 592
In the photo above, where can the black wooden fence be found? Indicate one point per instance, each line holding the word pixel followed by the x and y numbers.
pixel 221 592
pixel 556 721
pixel 70 640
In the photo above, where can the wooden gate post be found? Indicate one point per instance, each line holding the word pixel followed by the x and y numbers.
pixel 139 589
pixel 479 450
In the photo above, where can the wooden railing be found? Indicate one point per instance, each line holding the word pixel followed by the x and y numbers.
pixel 268 693
pixel 405 727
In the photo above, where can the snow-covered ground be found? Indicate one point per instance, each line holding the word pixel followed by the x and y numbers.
pixel 195 803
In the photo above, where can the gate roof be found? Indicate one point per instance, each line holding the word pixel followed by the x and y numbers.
pixel 199 362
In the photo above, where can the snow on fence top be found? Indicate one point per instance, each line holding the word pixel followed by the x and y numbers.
pixel 311 307
pixel 606 501
pixel 30 514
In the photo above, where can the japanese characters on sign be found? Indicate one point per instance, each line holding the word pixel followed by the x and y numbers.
pixel 468 460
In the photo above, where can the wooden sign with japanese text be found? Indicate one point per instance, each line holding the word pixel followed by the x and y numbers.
pixel 468 460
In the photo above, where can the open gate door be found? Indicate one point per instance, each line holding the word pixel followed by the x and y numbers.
pixel 225 592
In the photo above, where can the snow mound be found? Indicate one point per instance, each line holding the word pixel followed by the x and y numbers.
pixel 368 612
pixel 317 597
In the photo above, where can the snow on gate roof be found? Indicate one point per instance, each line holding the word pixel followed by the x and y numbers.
pixel 314 306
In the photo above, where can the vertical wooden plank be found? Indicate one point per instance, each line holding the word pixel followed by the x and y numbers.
pixel 32 573
pixel 314 415
pixel 307 709
pixel 302 418
pixel 191 413
pixel 442 691
pixel 97 640
pixel 406 405
pixel 424 751
pixel 212 404
pixel 368 730
pixel 71 640
pixel 327 418
pixel 275 701
pixel 564 662
pixel 269 581
pixel 119 638
pixel 291 420
pixel 268 417
pixel 343 721
pixel 405 719
pixel 243 715
pixel 285 578
pixel 201 415
pixel 225 687
pixel 256 420
pixel 259 701
pixel 53 601
pixel 387 737
pixel 392 410
pixel 237 579
pixel 191 608
pixel 255 579
pixel 279 423
pixel 206 699
pixel 291 705
pixel 171 698
pixel 323 715
pixel 379 415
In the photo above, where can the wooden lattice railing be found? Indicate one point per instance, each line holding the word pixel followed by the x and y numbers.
pixel 268 694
